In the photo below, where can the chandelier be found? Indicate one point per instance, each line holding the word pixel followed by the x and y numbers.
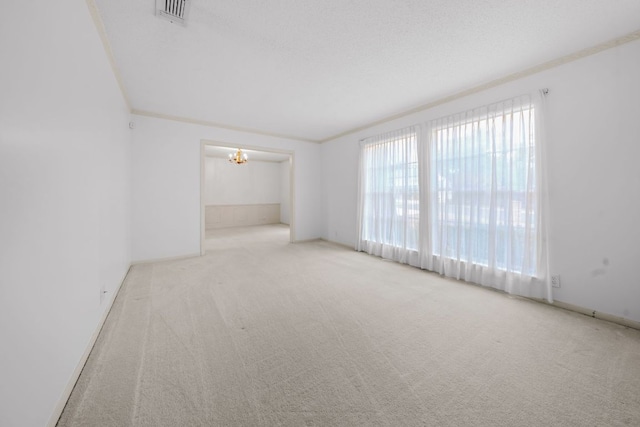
pixel 239 158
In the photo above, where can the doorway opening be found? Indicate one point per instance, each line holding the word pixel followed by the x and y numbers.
pixel 236 198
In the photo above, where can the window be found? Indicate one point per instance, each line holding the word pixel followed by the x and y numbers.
pixel 463 198
pixel 483 187
pixel 390 190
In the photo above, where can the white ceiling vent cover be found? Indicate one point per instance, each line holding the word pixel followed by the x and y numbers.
pixel 172 10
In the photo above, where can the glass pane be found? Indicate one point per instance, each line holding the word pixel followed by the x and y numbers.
pixel 484 193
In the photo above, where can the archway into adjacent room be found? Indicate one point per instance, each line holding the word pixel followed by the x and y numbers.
pixel 237 197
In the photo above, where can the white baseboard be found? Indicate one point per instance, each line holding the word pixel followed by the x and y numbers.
pixel 317 239
pixel 66 393
pixel 593 313
pixel 171 258
pixel 566 306
pixel 333 242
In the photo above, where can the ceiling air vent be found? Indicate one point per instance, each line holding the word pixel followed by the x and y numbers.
pixel 172 10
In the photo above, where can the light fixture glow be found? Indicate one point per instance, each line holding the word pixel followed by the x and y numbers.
pixel 239 158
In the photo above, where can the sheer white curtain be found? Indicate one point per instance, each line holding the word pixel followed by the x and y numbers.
pixel 388 191
pixel 484 190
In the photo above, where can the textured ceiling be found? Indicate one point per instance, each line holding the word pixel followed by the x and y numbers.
pixel 314 69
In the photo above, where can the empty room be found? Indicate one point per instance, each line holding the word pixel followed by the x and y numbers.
pixel 238 193
pixel 319 213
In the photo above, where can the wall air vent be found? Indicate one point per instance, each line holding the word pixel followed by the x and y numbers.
pixel 172 10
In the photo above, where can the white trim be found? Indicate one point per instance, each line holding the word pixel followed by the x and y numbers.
pixel 215 156
pixel 506 79
pixel 592 313
pixel 291 153
pixel 169 258
pixel 317 239
pixel 66 393
pixel 220 125
pixel 292 198
pixel 95 14
pixel 342 245
pixel 97 21
pixel 203 203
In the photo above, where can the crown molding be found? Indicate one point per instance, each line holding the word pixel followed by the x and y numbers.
pixel 97 21
pixel 95 14
pixel 509 78
pixel 219 125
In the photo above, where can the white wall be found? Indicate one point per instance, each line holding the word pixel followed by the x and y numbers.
pixel 593 151
pixel 64 200
pixel 255 182
pixel 285 191
pixel 166 184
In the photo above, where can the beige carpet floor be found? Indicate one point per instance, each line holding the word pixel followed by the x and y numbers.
pixel 261 332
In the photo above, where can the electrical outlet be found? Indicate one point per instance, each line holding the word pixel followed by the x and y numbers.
pixel 555 281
